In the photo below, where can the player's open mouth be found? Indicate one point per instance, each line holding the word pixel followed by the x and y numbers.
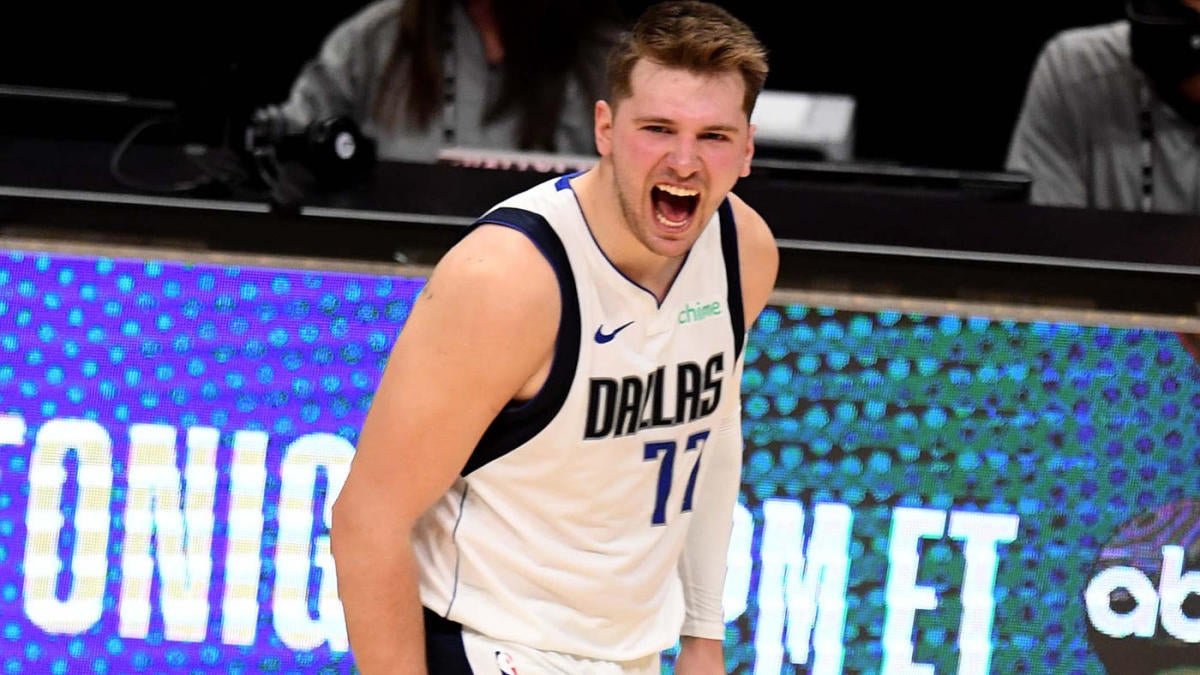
pixel 674 205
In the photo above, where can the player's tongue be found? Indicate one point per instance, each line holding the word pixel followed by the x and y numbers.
pixel 674 208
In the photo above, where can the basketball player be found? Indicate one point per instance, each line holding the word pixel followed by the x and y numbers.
pixel 551 460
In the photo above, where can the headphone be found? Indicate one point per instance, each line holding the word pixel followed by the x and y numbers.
pixel 333 150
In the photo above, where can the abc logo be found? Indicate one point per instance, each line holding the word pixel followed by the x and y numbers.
pixel 1143 599
pixel 1123 601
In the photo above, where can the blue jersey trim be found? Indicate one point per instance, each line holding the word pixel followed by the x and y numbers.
pixel 733 275
pixel 564 181
pixel 519 422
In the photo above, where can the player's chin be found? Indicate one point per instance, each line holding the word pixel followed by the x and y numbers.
pixel 672 244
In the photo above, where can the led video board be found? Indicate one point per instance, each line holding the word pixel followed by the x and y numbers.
pixel 924 491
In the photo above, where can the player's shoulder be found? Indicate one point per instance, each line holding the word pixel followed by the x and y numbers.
pixel 500 264
pixel 545 215
pixel 758 255
pixel 490 291
pixel 754 234
pixel 495 255
pixel 546 199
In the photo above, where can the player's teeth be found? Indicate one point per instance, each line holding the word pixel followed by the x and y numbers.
pixel 678 191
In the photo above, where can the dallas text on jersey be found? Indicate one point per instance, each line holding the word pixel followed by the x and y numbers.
pixel 622 407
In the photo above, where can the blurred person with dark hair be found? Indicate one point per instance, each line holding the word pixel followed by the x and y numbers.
pixel 1111 115
pixel 418 76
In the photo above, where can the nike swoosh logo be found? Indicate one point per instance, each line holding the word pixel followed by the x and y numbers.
pixel 602 337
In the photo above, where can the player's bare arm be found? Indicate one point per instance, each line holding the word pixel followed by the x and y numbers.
pixel 480 333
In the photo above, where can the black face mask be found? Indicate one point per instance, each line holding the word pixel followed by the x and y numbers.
pixel 1166 48
pixel 1164 51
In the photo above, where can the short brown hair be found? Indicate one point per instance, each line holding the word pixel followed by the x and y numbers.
pixel 698 36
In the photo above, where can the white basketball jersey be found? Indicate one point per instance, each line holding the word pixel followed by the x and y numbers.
pixel 564 530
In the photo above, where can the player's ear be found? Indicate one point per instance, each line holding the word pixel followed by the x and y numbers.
pixel 749 153
pixel 603 127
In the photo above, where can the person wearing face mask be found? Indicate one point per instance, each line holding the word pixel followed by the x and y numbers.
pixel 1111 114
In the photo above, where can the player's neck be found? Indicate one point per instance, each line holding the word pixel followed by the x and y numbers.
pixel 597 193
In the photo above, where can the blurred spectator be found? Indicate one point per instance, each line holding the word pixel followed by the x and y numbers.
pixel 1112 112
pixel 418 76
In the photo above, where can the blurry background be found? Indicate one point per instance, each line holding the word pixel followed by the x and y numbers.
pixel 937 84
